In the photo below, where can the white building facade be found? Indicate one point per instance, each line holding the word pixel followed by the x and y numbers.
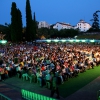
pixel 83 26
pixel 60 26
pixel 43 24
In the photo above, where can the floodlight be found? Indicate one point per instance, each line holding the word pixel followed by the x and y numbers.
pixel 83 40
pixel 63 40
pixel 77 40
pixel 56 40
pixel 92 40
pixel 71 40
pixel 3 41
pixel 48 40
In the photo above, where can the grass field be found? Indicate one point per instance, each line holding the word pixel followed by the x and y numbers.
pixel 76 83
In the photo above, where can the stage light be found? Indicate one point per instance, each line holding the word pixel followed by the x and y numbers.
pixel 48 40
pixel 63 40
pixel 83 40
pixel 92 40
pixel 56 40
pixel 77 40
pixel 71 40
pixel 3 41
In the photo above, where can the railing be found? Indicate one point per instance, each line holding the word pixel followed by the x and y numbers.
pixel 3 97
pixel 34 96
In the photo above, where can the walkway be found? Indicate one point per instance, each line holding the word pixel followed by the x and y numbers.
pixel 12 86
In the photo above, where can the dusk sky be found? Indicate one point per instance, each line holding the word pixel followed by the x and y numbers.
pixel 52 11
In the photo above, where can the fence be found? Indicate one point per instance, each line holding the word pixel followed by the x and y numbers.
pixel 34 96
pixel 3 97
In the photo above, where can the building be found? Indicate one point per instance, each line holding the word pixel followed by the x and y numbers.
pixel 60 26
pixel 43 24
pixel 82 26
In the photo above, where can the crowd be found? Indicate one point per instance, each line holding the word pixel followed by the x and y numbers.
pixel 44 61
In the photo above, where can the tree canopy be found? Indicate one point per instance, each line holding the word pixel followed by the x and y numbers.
pixel 29 22
pixel 16 23
pixel 95 24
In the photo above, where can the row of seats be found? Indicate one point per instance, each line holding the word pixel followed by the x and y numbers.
pixel 26 77
pixel 32 78
pixel 34 96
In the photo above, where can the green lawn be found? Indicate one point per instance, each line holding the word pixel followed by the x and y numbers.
pixel 76 83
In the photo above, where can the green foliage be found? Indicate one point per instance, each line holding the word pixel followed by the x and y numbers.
pixel 19 25
pixel 65 33
pixel 35 27
pixel 95 24
pixel 54 33
pixel 29 22
pixel 89 36
pixel 5 30
pixel 16 24
pixel 43 32
pixel 8 32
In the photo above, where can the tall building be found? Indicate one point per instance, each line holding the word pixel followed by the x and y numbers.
pixel 43 24
pixel 83 26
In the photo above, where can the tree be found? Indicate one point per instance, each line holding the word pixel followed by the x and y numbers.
pixel 35 27
pixel 43 32
pixel 29 22
pixel 8 31
pixel 95 20
pixel 16 24
pixel 13 22
pixel 19 25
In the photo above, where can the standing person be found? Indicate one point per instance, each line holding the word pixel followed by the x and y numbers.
pixel 1 61
pixel 2 74
pixel 54 86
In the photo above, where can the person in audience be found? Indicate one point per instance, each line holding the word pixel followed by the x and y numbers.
pixel 54 87
pixel 65 60
pixel 2 73
pixel 39 77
